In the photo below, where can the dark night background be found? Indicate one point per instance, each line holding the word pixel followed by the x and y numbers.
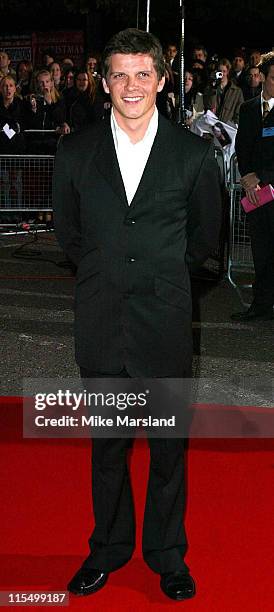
pixel 220 25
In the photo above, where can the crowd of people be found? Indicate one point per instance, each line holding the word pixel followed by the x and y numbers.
pixel 218 84
pixel 40 103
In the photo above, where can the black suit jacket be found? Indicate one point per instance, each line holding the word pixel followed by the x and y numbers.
pixel 254 153
pixel 132 299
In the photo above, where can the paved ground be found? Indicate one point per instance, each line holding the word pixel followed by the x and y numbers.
pixel 36 300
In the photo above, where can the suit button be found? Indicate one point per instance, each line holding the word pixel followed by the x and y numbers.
pixel 129 221
pixel 130 259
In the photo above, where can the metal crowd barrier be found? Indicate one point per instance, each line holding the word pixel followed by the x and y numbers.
pixel 240 260
pixel 25 187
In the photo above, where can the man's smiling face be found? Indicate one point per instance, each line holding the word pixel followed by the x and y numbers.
pixel 132 83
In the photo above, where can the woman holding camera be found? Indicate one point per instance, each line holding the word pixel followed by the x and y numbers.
pixel 46 113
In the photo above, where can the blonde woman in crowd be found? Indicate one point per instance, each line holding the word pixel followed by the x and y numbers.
pixel 56 74
pixel 12 117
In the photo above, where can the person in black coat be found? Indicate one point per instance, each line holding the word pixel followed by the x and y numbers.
pixel 84 102
pixel 46 111
pixel 23 78
pixel 12 114
pixel 253 86
pixel 255 153
pixel 137 205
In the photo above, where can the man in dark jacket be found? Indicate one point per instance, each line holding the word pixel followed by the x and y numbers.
pixel 255 152
pixel 137 204
pixel 253 86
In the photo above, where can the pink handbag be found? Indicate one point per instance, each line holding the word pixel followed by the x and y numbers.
pixel 265 195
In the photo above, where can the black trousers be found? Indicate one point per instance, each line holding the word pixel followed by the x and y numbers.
pixel 261 226
pixel 113 539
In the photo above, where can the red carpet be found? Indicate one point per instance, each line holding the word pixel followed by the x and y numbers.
pixel 45 520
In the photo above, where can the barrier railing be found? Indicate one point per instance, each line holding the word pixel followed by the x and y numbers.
pixel 26 193
pixel 25 187
pixel 240 260
pixel 25 182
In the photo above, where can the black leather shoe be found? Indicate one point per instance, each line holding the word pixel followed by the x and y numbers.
pixel 253 313
pixel 178 585
pixel 87 581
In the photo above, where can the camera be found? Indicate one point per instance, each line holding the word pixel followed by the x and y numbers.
pixel 215 77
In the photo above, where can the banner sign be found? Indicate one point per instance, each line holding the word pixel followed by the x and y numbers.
pixel 30 47
pixel 18 47
pixel 62 44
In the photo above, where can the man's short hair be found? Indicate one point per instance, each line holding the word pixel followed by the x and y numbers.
pixel 133 41
pixel 200 48
pixel 267 60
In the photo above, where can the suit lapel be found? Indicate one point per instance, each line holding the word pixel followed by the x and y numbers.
pixel 107 164
pixel 155 165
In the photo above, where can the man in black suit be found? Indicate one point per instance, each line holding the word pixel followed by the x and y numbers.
pixel 255 153
pixel 137 204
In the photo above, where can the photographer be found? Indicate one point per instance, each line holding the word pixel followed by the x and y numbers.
pixel 222 96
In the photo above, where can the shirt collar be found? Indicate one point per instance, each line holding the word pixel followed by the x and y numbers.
pixel 120 135
pixel 270 101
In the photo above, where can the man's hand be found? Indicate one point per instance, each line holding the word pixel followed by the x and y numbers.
pixel 250 181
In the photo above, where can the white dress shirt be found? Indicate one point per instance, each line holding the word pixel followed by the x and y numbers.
pixel 132 158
